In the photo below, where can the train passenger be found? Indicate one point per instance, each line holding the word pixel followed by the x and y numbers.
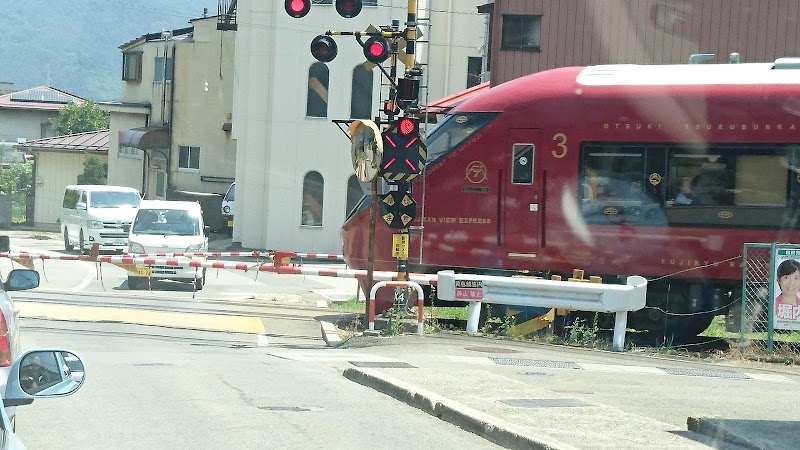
pixel 787 303
pixel 686 196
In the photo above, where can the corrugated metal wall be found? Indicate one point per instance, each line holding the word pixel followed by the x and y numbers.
pixel 586 32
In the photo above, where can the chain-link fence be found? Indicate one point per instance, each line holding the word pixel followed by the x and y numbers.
pixel 770 274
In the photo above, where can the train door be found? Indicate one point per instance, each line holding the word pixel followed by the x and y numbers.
pixel 523 203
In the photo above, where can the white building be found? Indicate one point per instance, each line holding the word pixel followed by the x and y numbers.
pixel 294 174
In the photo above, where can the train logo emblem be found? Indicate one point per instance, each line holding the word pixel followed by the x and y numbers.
pixel 655 179
pixel 476 172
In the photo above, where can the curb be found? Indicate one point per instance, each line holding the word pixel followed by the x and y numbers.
pixel 488 427
pixel 710 426
pixel 330 334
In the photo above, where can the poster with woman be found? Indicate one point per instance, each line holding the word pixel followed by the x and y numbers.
pixel 787 290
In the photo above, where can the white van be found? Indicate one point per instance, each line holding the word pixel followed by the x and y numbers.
pixel 163 226
pixel 98 214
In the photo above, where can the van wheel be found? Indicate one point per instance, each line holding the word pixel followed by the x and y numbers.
pixel 136 283
pixel 67 245
pixel 81 244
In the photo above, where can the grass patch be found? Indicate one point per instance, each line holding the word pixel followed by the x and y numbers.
pixel 350 305
pixel 446 312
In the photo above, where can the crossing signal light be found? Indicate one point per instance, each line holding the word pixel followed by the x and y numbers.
pixel 376 49
pixel 348 8
pixel 323 48
pixel 297 8
pixel 404 151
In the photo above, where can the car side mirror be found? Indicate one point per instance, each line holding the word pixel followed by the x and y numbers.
pixel 43 373
pixel 207 231
pixel 80 205
pixel 21 279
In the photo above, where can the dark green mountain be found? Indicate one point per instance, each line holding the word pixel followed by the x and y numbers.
pixel 73 45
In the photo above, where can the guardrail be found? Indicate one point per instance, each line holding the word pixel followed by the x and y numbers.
pixel 574 296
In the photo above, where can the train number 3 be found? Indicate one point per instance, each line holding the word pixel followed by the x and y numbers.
pixel 561 142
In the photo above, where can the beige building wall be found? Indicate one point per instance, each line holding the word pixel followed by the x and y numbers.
pixel 278 145
pixel 54 172
pixel 125 167
pixel 201 105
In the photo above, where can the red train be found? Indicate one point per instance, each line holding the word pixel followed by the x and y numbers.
pixel 660 171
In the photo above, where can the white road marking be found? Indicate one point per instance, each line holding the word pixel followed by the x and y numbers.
pixel 262 340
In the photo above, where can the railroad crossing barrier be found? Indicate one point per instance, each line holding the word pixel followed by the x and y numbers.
pixel 411 284
pixel 573 296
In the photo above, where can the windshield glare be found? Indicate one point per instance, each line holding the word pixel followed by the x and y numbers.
pixel 452 131
pixel 111 199
pixel 173 222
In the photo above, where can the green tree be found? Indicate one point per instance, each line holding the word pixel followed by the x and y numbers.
pixel 75 118
pixel 95 171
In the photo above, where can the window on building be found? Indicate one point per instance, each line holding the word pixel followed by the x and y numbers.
pixel 160 70
pixel 132 66
pixel 317 102
pixel 189 158
pixel 361 97
pixel 354 194
pixel 474 70
pixel 521 32
pixel 313 187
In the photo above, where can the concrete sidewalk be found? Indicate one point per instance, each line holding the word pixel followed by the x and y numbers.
pixel 533 415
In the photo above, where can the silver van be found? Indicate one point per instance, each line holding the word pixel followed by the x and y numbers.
pixel 98 214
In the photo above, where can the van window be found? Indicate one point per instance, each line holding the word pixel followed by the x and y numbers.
pixel 229 196
pixel 172 222
pixel 113 199
pixel 70 198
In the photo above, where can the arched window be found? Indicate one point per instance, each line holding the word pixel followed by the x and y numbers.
pixel 317 102
pixel 313 187
pixel 361 94
pixel 354 194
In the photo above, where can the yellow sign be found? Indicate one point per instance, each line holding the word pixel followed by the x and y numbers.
pixel 400 246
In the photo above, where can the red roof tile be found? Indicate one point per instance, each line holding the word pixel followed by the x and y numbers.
pixel 92 141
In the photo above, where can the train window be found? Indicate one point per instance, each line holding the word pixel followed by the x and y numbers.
pixel 613 189
pixel 522 170
pixel 708 185
pixel 452 131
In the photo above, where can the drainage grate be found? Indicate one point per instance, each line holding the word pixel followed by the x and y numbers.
pixel 382 364
pixel 535 363
pixel 153 365
pixel 546 403
pixel 535 374
pixel 705 373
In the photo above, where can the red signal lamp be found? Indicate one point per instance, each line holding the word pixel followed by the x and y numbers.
pixel 323 48
pixel 297 8
pixel 376 49
pixel 408 127
pixel 348 8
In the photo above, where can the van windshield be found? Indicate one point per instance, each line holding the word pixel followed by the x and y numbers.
pixel 112 199
pixel 172 222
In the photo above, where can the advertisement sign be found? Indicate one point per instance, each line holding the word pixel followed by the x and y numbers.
pixel 786 286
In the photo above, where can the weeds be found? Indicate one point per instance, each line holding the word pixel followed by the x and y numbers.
pixel 583 334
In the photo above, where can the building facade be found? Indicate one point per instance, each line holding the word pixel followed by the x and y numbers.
pixel 172 130
pixel 534 35
pixel 294 173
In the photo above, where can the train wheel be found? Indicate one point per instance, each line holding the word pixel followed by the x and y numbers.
pixel 676 311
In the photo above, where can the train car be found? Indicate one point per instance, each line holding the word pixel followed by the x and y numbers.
pixel 664 171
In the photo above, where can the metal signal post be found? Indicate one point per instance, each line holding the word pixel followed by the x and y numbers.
pixel 406 151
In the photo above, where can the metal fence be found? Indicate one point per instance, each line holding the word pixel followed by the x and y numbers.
pixel 757 327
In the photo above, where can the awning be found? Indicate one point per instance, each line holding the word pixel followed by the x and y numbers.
pixel 146 138
pixel 444 105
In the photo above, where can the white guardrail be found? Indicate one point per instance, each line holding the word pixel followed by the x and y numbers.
pixel 574 296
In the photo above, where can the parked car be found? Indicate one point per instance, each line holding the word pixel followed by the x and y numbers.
pixel 227 207
pixel 98 214
pixel 162 226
